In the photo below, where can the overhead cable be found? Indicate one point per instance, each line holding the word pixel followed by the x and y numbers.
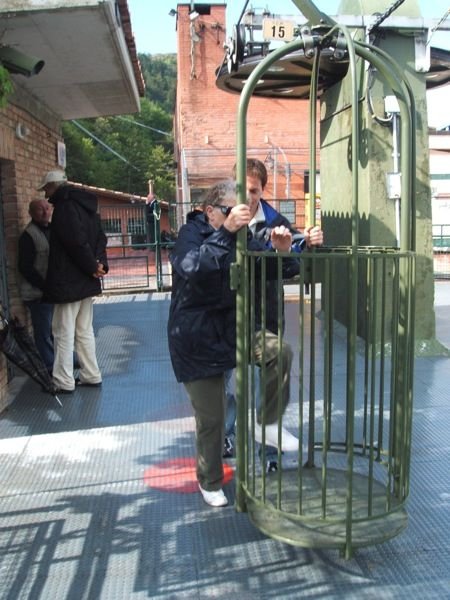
pixel 99 141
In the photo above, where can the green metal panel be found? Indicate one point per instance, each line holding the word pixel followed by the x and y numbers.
pixel 377 211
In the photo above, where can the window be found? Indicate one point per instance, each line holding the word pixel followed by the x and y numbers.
pixel 136 226
pixel 202 9
pixel 111 225
pixel 306 182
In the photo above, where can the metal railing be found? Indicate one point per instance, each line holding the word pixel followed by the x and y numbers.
pixel 137 249
pixel 353 432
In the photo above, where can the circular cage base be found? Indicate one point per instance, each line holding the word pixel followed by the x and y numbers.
pixel 280 518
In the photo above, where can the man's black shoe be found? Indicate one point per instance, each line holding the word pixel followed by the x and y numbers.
pixel 63 391
pixel 80 383
pixel 227 448
pixel 271 466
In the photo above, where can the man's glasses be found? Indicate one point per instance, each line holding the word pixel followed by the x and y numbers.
pixel 225 210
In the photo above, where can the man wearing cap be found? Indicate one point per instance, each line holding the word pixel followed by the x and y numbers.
pixel 33 250
pixel 77 260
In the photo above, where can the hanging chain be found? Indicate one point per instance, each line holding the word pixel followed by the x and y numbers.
pixel 433 31
pixel 384 15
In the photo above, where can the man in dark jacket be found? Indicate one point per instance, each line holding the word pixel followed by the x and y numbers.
pixel 33 249
pixel 264 219
pixel 77 261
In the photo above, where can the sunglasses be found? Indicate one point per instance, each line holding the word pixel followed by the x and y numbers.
pixel 225 210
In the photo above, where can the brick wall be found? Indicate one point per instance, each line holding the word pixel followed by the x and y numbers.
pixel 24 157
pixel 205 122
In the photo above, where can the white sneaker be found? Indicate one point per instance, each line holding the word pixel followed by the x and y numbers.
pixel 289 443
pixel 216 498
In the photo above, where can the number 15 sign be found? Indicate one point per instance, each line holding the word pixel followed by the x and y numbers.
pixel 276 29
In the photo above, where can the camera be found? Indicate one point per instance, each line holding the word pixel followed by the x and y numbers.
pixel 17 62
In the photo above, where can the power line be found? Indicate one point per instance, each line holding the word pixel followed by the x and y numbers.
pixel 433 31
pixel 99 141
pixel 142 125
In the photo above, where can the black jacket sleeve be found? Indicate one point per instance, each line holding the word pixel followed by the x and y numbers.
pixel 195 258
pixel 102 241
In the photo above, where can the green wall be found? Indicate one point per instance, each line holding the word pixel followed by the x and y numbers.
pixel 376 211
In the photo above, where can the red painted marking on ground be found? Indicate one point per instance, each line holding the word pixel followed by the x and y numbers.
pixel 178 475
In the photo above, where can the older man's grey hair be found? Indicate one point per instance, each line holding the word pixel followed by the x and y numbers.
pixel 219 193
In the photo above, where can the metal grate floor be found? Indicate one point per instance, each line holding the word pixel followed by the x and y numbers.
pixel 77 520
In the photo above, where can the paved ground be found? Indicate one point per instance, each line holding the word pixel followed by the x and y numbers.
pixel 79 520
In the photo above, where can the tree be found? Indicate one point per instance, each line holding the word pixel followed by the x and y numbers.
pixel 6 86
pixel 160 75
pixel 144 141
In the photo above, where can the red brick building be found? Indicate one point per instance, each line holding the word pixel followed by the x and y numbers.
pixel 205 121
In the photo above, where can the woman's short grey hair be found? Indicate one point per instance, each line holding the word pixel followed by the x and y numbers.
pixel 220 193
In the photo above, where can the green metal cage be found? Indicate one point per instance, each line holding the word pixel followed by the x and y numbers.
pixel 347 485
